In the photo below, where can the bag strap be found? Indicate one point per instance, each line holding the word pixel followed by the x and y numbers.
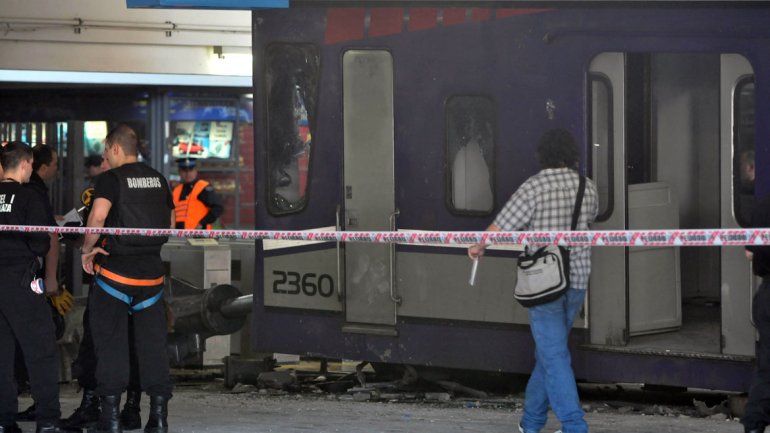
pixel 578 202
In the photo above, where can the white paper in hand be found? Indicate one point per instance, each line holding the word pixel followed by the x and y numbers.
pixel 472 279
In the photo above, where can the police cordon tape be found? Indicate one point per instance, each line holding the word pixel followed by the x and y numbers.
pixel 631 238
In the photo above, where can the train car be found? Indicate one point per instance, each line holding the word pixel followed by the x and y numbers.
pixel 423 116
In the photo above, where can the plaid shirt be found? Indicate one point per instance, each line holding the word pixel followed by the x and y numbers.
pixel 545 202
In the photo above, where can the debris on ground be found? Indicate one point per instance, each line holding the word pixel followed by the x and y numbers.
pixel 412 386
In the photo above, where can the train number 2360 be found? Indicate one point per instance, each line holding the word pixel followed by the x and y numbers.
pixel 294 283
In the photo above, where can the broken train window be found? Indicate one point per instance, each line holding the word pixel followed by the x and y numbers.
pixel 292 88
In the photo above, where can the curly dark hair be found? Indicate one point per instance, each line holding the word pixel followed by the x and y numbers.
pixel 557 149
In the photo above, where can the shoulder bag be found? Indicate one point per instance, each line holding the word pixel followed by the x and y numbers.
pixel 543 275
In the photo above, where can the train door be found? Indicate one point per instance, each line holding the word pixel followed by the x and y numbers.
pixel 608 296
pixel 370 300
pixel 737 190
pixel 669 162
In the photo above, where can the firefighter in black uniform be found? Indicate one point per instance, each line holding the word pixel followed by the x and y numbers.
pixel 25 317
pixel 128 274
pixel 84 366
pixel 757 414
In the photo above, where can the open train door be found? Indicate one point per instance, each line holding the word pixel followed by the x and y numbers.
pixel 370 300
pixel 736 140
pixel 608 294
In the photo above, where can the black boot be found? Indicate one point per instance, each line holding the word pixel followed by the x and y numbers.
pixel 10 428
pixel 109 419
pixel 27 414
pixel 86 414
pixel 158 420
pixel 54 427
pixel 130 418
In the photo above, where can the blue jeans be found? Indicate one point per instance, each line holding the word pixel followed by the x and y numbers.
pixel 552 381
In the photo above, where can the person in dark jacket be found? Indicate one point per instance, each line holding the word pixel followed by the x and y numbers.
pixel 757 414
pixel 24 312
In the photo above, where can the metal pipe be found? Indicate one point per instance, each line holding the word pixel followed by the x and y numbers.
pixel 238 307
pixel 14 24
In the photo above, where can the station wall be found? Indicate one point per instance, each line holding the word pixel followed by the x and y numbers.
pixel 106 36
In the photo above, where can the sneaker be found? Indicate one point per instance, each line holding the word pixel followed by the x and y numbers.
pixel 521 430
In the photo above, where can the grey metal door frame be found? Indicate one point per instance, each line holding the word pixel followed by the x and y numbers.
pixel 608 294
pixel 738 284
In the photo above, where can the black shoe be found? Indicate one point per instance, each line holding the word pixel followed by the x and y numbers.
pixel 10 428
pixel 109 419
pixel 87 414
pixel 130 417
pixel 27 414
pixel 158 420
pixel 54 427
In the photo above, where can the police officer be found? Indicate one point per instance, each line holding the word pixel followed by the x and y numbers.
pixel 25 317
pixel 197 204
pixel 128 279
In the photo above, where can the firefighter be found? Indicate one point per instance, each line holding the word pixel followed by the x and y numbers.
pixel 197 204
pixel 25 316
pixel 128 279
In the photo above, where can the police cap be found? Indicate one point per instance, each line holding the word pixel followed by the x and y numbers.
pixel 186 163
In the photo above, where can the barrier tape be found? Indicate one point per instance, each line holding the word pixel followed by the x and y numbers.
pixel 627 238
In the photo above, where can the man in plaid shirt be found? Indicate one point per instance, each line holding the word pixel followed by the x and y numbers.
pixel 545 203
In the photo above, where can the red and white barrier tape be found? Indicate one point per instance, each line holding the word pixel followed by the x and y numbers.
pixel 632 238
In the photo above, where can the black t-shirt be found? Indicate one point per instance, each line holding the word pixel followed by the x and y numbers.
pixel 107 186
pixel 761 219
pixel 21 205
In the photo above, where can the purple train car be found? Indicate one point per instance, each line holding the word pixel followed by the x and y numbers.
pixel 421 116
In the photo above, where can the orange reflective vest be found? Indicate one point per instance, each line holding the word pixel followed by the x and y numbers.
pixel 190 211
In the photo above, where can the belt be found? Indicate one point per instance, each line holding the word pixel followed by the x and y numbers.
pixel 126 280
pixel 128 300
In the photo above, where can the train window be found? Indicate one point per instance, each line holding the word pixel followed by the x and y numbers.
pixel 292 85
pixel 601 142
pixel 470 141
pixel 743 151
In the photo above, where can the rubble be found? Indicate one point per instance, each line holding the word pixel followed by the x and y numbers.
pixel 413 387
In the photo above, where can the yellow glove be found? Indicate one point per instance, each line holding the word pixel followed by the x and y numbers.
pixel 63 302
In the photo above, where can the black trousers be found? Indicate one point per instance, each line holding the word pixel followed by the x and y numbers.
pixel 84 367
pixel 26 318
pixel 110 326
pixel 758 407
